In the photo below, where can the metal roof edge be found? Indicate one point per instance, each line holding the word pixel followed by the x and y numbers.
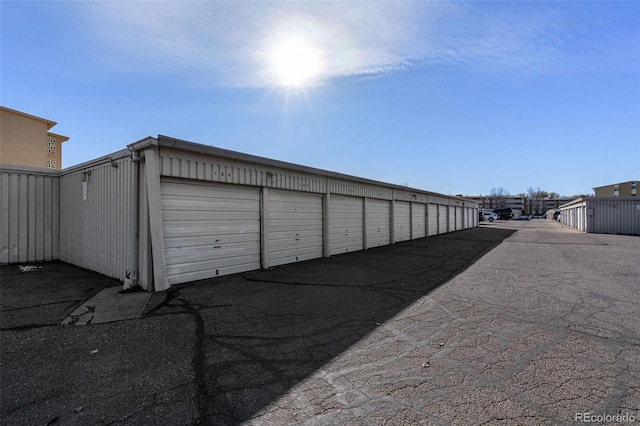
pixel 169 142
pixel 143 144
pixel 590 199
pixel 29 170
pixel 575 201
pixel 95 162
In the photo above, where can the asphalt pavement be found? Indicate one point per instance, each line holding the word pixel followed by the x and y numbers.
pixel 513 322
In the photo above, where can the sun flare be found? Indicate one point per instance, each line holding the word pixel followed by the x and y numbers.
pixel 296 63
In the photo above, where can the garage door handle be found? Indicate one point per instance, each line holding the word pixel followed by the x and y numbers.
pixel 217 246
pixel 297 239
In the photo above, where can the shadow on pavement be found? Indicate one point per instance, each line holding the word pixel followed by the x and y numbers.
pixel 261 333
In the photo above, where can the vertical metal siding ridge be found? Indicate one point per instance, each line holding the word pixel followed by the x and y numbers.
pixel 356 189
pixel 23 230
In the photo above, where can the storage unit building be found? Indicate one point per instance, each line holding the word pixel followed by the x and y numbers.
pixel 165 211
pixel 603 215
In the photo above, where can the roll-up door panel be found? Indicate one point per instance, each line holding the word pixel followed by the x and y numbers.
pixel 433 219
pixel 452 218
pixel 346 222
pixel 378 222
pixel 402 221
pixel 209 230
pixel 294 227
pixel 443 218
pixel 418 219
pixel 459 218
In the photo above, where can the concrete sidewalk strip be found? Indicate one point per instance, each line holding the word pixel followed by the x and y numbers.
pixel 108 306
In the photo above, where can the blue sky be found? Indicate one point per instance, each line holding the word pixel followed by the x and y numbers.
pixel 452 97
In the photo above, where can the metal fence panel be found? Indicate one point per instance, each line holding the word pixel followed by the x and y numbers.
pixel 29 220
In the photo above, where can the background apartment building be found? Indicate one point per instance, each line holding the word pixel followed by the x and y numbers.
pixel 25 140
pixel 623 189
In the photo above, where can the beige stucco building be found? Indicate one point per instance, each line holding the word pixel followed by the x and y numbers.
pixel 622 189
pixel 25 140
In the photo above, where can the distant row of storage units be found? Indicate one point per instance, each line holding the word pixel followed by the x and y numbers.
pixel 603 215
pixel 165 211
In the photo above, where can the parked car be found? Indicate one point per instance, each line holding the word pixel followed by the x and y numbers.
pixel 504 213
pixel 490 216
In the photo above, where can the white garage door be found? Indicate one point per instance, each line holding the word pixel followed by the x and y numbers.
pixel 402 221
pixel 459 218
pixel 378 223
pixel 433 219
pixel 346 223
pixel 418 220
pixel 443 219
pixel 452 218
pixel 209 230
pixel 295 227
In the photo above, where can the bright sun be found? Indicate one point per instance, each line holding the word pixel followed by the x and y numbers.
pixel 296 63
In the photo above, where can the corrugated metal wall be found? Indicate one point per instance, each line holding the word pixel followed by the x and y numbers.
pixel 179 164
pixel 615 216
pixel 29 221
pixel 603 215
pixel 97 232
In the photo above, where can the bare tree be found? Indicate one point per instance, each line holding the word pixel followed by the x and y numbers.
pixel 536 200
pixel 498 198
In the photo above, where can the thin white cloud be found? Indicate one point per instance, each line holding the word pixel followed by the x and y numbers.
pixel 228 42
